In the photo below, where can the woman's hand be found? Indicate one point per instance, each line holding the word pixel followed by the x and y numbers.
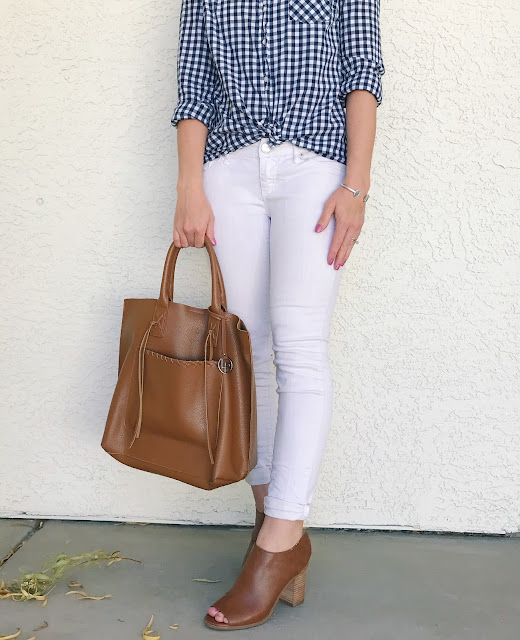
pixel 360 115
pixel 193 219
pixel 350 216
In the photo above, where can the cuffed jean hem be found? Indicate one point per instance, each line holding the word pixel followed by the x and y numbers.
pixel 277 508
pixel 259 475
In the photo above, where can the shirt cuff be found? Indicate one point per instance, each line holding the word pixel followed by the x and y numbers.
pixel 188 109
pixel 366 75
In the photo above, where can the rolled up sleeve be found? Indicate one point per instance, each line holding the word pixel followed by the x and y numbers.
pixel 196 73
pixel 361 54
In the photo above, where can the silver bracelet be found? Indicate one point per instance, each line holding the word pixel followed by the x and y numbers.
pixel 356 192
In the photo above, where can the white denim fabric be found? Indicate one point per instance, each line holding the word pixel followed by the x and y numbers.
pixel 267 201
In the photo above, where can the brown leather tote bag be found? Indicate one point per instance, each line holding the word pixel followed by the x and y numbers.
pixel 184 404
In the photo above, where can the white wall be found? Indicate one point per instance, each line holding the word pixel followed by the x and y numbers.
pixel 425 341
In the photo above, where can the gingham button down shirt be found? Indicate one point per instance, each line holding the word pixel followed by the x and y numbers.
pixel 280 69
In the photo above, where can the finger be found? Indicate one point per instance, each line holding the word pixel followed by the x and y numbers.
pixel 210 231
pixel 337 241
pixel 184 239
pixel 199 237
pixel 344 252
pixel 176 238
pixel 190 236
pixel 348 245
pixel 325 217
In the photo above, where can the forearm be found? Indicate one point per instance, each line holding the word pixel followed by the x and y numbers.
pixel 191 143
pixel 194 217
pixel 194 114
pixel 363 68
pixel 361 131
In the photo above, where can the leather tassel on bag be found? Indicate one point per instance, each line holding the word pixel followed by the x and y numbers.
pixel 184 405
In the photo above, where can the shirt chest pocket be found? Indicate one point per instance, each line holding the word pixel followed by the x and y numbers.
pixel 310 10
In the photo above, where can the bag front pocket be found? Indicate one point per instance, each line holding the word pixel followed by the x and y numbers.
pixel 310 10
pixel 174 399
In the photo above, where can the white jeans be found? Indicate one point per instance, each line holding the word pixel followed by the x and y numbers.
pixel 266 205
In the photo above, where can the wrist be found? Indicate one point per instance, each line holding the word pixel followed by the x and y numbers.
pixel 357 181
pixel 361 184
pixel 189 183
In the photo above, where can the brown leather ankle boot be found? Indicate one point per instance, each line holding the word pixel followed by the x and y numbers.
pixel 265 578
pixel 259 518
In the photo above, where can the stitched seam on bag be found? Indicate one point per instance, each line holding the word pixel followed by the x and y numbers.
pixel 176 360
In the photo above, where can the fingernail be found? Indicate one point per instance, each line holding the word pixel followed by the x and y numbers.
pixel 331 261
pixel 213 241
pixel 337 267
pixel 318 228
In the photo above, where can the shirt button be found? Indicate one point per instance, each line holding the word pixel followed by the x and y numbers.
pixel 265 78
pixel 264 41
pixel 265 147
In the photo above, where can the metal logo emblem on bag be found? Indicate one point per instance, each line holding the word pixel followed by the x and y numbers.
pixel 225 364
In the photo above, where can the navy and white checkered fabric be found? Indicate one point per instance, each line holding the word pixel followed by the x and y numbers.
pixel 281 69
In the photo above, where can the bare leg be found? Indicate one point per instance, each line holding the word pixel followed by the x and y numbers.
pixel 259 493
pixel 276 534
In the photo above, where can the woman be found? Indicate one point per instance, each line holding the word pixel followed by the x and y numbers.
pixel 276 123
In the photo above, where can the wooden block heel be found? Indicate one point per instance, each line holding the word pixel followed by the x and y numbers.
pixel 294 592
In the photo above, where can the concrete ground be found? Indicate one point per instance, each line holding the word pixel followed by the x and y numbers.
pixel 360 585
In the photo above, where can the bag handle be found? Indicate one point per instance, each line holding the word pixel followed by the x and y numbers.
pixel 218 293
pixel 219 276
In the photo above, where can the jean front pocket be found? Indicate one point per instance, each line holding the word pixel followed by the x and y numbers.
pixel 310 10
pixel 300 154
pixel 208 166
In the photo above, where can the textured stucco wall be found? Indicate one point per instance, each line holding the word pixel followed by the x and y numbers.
pixel 425 342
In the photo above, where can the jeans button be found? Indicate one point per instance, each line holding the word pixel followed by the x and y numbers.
pixel 265 147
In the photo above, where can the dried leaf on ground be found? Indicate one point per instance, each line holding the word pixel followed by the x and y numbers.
pixel 101 556
pixel 147 632
pixel 37 586
pixel 85 596
pixel 174 626
pixel 74 583
pixel 44 626
pixel 205 580
pixel 17 592
pixel 12 636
